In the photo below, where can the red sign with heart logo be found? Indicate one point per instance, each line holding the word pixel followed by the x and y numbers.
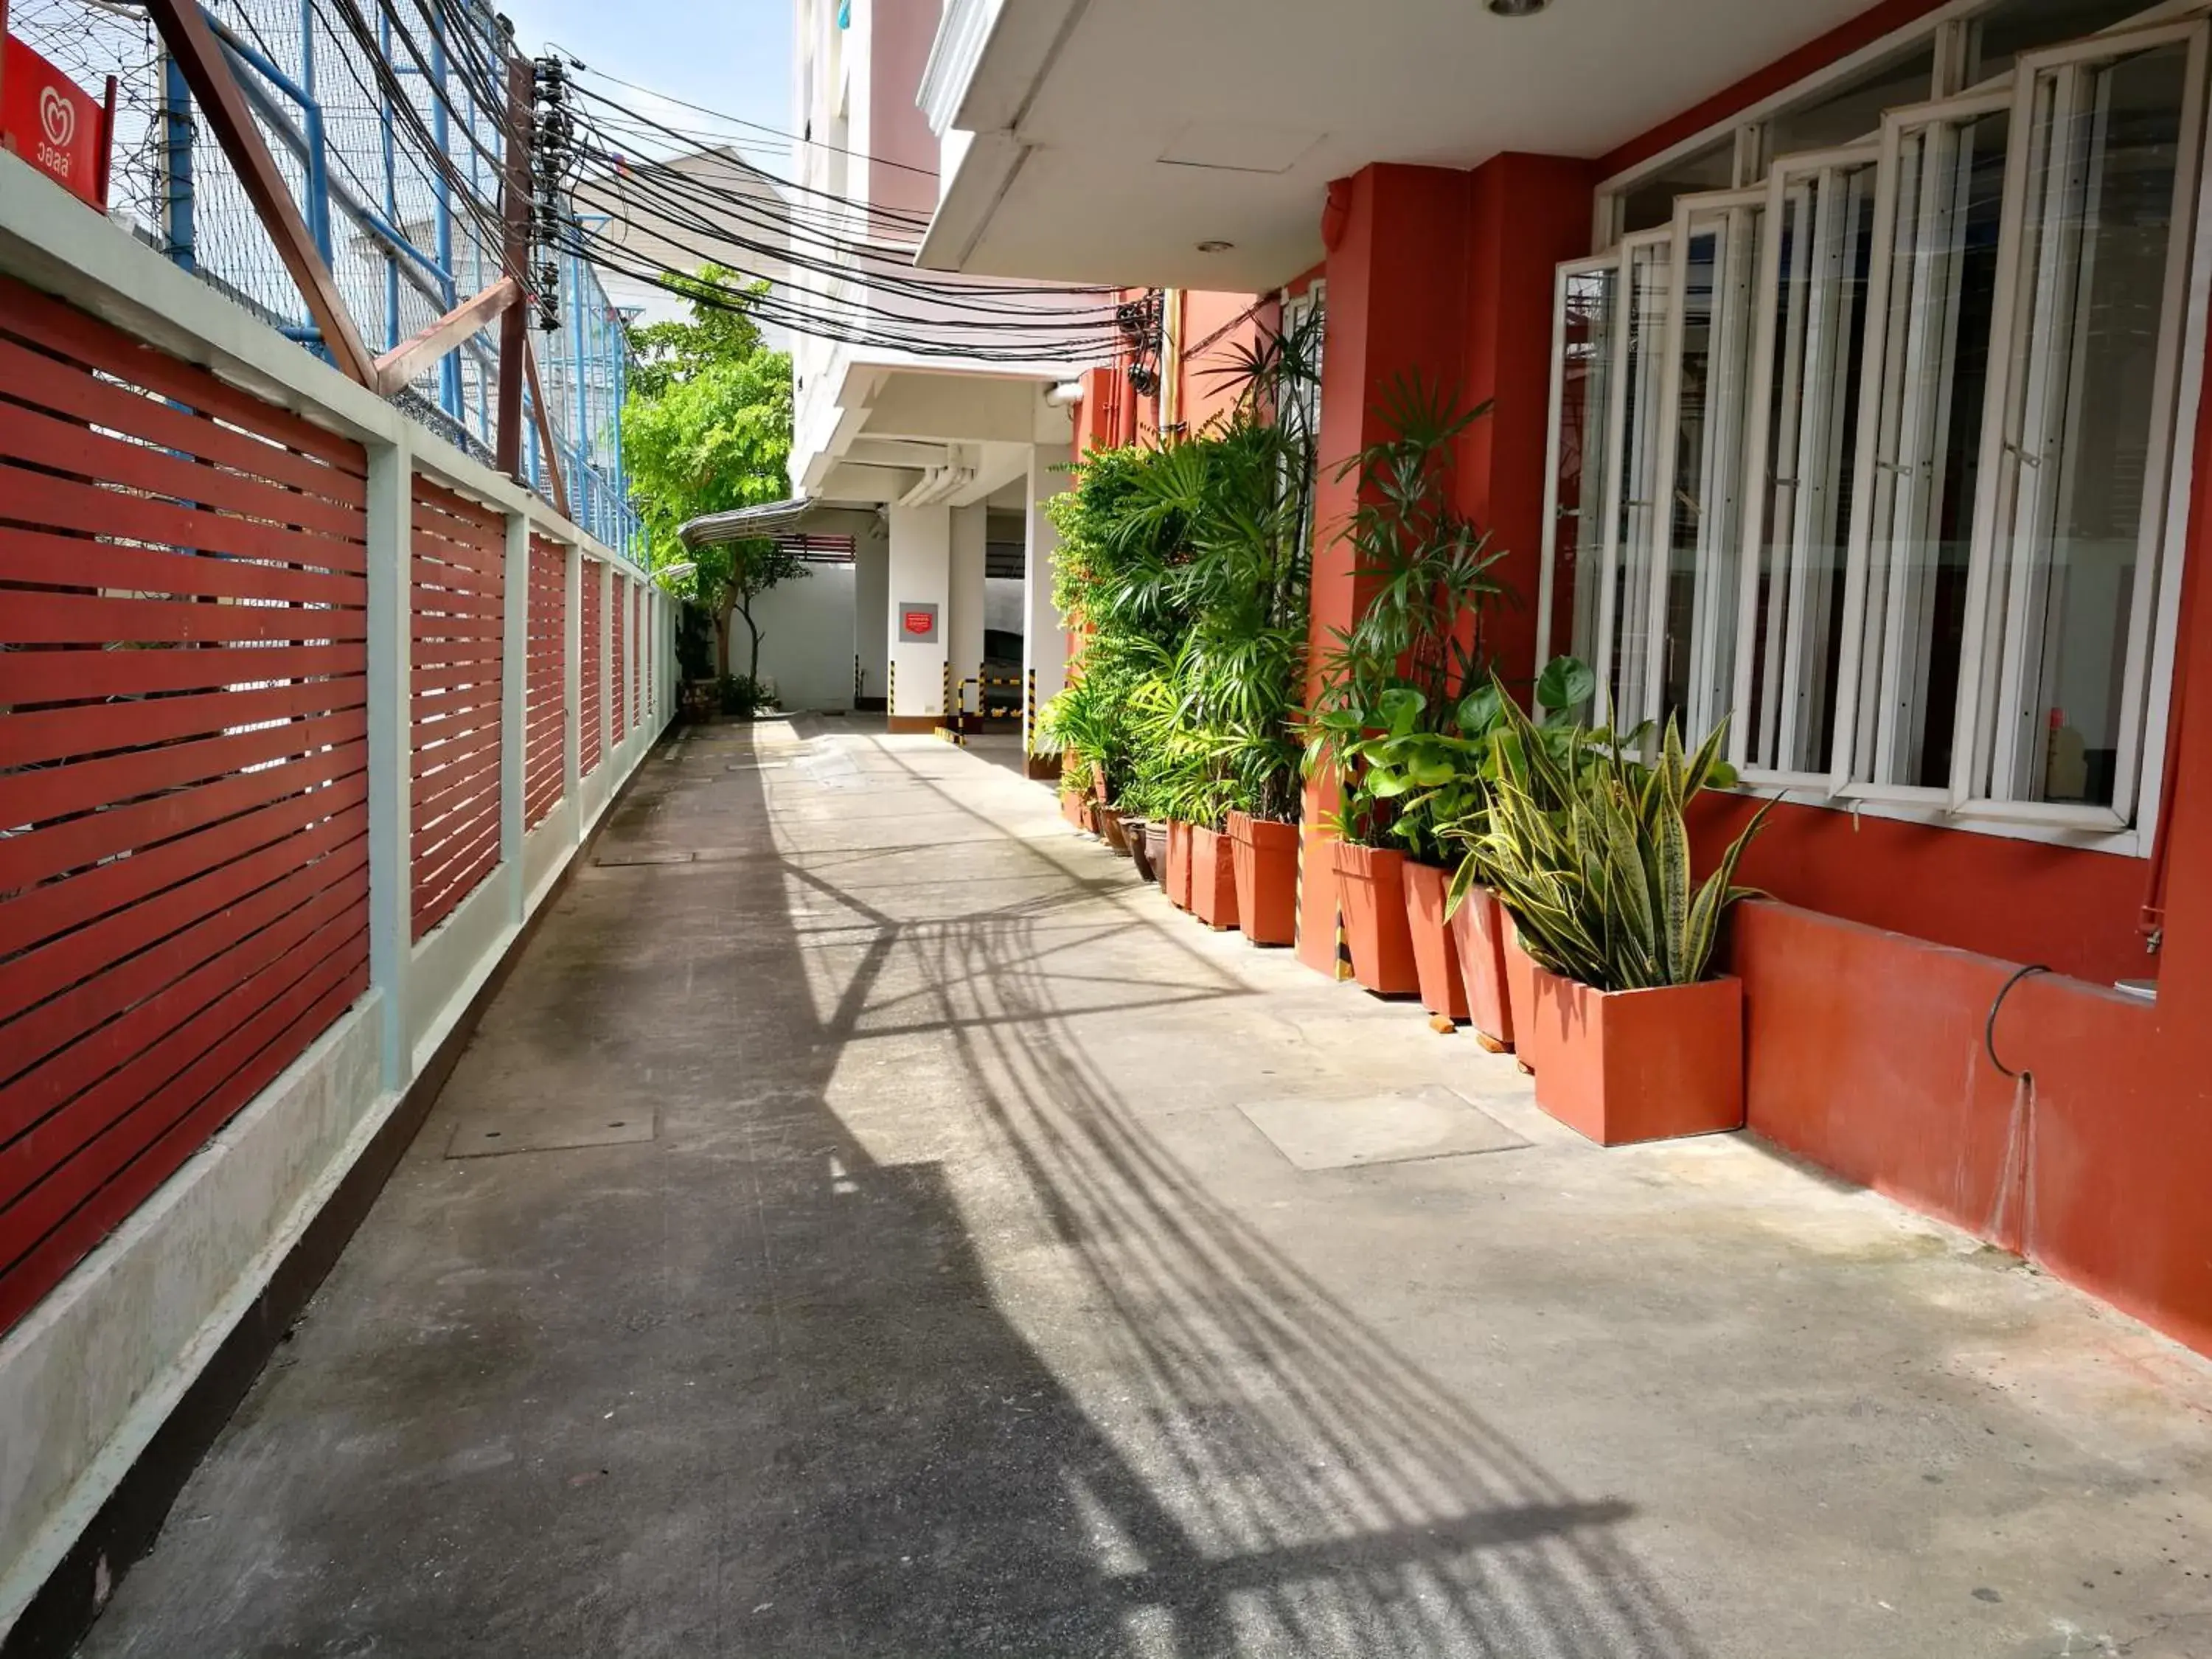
pixel 50 121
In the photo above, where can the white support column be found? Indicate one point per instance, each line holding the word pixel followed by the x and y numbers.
pixel 391 740
pixel 970 531
pixel 1044 641
pixel 571 684
pixel 920 578
pixel 515 711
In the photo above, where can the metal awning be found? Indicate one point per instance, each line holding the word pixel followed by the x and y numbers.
pixel 747 524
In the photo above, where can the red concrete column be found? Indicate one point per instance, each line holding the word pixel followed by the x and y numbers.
pixel 1397 271
pixel 1447 275
pixel 1527 214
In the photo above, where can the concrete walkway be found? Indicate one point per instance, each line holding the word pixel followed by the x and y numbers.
pixel 935 1295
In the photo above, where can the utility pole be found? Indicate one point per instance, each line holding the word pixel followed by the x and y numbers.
pixel 514 258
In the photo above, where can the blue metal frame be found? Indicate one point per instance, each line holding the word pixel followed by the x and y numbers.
pixel 591 458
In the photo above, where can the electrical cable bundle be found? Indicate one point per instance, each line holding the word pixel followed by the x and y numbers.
pixel 836 269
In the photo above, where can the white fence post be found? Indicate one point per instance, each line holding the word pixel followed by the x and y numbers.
pixel 390 743
pixel 604 645
pixel 572 686
pixel 514 713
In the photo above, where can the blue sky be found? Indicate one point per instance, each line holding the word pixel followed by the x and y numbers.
pixel 734 56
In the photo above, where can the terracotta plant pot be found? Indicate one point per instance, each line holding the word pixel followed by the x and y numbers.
pixel 1109 827
pixel 1099 785
pixel 1436 958
pixel 1136 832
pixel 1070 808
pixel 1478 931
pixel 1520 991
pixel 1094 817
pixel 1627 1065
pixel 1155 850
pixel 1179 865
pixel 1212 878
pixel 1371 885
pixel 1265 852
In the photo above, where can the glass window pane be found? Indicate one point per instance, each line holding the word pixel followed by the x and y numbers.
pixel 1842 114
pixel 1810 398
pixel 2000 36
pixel 2081 537
pixel 1586 368
pixel 1626 608
pixel 1927 449
pixel 1650 204
pixel 1704 520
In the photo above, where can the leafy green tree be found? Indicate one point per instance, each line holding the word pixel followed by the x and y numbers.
pixel 707 429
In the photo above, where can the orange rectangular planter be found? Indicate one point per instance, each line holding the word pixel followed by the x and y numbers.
pixel 1371 885
pixel 1628 1066
pixel 1212 878
pixel 1436 958
pixel 1179 865
pixel 1265 852
pixel 1519 992
pixel 1070 808
pixel 1478 931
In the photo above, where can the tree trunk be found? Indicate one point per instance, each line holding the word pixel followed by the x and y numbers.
pixel 722 644
pixel 753 628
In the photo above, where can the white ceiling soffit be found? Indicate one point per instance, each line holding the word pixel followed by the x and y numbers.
pixel 1114 136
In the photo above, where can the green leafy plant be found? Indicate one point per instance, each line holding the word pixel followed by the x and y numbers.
pixel 744 697
pixel 1590 851
pixel 1439 781
pixel 1186 569
pixel 707 428
pixel 1402 687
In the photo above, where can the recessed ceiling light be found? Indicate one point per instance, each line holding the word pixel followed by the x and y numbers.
pixel 1518 8
pixel 1215 247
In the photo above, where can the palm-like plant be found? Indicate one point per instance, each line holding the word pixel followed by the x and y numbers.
pixel 1590 851
pixel 1418 651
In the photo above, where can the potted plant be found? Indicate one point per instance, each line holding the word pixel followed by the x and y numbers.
pixel 1631 1036
pixel 1212 877
pixel 1454 775
pixel 1398 690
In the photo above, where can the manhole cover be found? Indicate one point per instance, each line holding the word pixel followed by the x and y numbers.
pixel 1383 1128
pixel 491 1134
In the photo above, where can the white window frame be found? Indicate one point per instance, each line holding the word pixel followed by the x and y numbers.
pixel 1627 543
pixel 2011 424
pixel 1713 601
pixel 1884 412
pixel 1555 410
pixel 1762 468
pixel 2128 828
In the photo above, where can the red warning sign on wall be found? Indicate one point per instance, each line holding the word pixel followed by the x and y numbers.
pixel 51 122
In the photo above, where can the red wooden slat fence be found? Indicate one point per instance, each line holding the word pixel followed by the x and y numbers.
pixel 183 793
pixel 622 656
pixel 458 603
pixel 546 708
pixel 594 671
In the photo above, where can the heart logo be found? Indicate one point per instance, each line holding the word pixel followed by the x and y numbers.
pixel 58 116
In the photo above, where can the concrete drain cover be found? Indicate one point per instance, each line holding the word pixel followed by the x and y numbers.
pixel 1385 1128
pixel 492 1134
pixel 626 860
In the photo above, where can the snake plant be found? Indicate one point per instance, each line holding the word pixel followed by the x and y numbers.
pixel 1590 851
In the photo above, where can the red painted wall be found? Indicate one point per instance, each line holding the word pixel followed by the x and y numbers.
pixel 1219 332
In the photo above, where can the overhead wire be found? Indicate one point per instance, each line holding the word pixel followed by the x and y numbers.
pixel 834 268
